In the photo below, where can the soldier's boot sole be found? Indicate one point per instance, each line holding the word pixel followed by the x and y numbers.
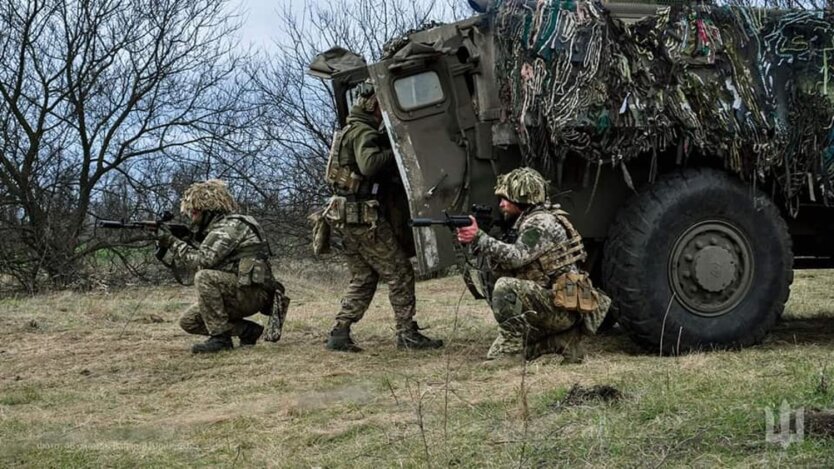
pixel 251 333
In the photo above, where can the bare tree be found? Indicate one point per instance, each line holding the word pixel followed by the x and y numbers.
pixel 97 95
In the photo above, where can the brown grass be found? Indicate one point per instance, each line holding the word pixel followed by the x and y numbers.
pixel 92 380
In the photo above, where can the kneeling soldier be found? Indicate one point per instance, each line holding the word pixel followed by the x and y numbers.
pixel 542 301
pixel 234 279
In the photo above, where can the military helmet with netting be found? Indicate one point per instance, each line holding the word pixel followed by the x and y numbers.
pixel 522 186
pixel 211 195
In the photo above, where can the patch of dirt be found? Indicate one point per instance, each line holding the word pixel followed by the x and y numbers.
pixel 579 395
pixel 820 423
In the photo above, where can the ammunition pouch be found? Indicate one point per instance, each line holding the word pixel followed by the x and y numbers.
pixel 253 272
pixel 277 314
pixel 341 212
pixel 321 232
pixel 341 177
pixel 573 291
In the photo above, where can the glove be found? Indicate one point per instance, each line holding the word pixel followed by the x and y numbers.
pixel 164 237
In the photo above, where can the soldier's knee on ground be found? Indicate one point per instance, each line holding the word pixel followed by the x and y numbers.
pixel 192 324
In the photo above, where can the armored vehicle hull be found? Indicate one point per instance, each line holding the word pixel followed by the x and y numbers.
pixel 692 146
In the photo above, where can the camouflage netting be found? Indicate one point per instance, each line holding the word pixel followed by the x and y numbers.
pixel 744 85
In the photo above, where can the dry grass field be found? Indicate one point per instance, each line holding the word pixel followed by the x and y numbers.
pixel 106 379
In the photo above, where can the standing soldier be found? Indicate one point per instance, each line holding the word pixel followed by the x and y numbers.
pixel 543 303
pixel 234 279
pixel 361 173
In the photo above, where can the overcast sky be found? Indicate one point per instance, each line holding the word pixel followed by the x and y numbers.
pixel 260 18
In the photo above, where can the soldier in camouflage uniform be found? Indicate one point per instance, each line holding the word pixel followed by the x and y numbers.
pixel 361 172
pixel 233 280
pixel 541 247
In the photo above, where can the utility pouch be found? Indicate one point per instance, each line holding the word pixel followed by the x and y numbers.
pixel 321 232
pixel 251 271
pixel 352 213
pixel 334 213
pixel 370 212
pixel 575 292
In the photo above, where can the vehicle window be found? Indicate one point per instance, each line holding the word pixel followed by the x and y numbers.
pixel 418 90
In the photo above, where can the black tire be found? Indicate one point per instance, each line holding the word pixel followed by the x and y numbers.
pixel 707 248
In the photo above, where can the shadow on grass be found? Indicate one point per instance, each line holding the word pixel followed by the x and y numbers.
pixel 814 331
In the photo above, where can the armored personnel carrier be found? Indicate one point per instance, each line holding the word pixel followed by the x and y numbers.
pixel 691 144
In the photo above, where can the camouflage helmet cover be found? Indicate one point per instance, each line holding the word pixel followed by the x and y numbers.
pixel 522 186
pixel 211 195
pixel 367 97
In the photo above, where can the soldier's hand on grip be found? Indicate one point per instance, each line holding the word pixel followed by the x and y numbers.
pixel 467 234
pixel 164 237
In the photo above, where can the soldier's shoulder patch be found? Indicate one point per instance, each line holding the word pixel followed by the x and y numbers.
pixel 531 236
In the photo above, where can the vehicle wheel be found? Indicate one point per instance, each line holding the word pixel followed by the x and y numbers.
pixel 698 260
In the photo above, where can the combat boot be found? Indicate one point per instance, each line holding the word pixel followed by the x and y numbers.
pixel 214 344
pixel 340 339
pixel 409 338
pixel 251 333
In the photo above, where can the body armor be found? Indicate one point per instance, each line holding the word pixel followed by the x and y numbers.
pixel 251 262
pixel 556 261
pixel 339 174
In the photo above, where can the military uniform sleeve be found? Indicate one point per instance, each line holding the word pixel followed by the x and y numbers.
pixel 536 236
pixel 219 243
pixel 370 157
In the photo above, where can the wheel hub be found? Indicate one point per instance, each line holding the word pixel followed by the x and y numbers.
pixel 711 267
pixel 715 268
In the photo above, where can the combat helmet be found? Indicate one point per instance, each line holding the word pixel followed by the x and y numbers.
pixel 367 96
pixel 522 186
pixel 212 196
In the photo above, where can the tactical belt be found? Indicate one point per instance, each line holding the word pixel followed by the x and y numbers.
pixel 340 211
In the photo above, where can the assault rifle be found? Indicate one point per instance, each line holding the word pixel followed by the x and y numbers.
pixel 482 214
pixel 179 230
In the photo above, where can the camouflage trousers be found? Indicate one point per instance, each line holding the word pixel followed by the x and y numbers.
pixel 528 318
pixel 373 253
pixel 222 304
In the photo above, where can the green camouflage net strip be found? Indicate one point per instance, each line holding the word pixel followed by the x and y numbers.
pixel 745 85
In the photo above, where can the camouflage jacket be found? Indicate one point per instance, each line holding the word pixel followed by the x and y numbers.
pixel 539 232
pixel 229 238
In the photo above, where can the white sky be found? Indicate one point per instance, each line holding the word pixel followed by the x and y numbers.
pixel 260 18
